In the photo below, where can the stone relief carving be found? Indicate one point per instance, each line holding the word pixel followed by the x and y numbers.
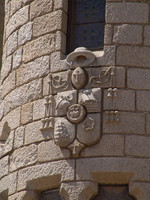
pixel 73 108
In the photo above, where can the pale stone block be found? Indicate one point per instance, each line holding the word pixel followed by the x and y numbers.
pixel 35 69
pixel 109 145
pixel 119 77
pixel 133 56
pixel 60 41
pixel 108 34
pixel 112 170
pixel 38 8
pixel 9 182
pixel 19 137
pixel 137 146
pixel 24 195
pixel 125 100
pixel 128 34
pixel 39 109
pixel 147 35
pixel 46 86
pixel 7 11
pixel 8 144
pixel 32 91
pixel 33 133
pixel 23 157
pixel 143 100
pixel 61 4
pixel 130 123
pixel 9 84
pixel 12 43
pixel 15 5
pixel 18 19
pixel 4 166
pixel 6 68
pixel 17 58
pixel 127 13
pixel 49 23
pixel 14 114
pixel 25 33
pixel 26 113
pixel 138 78
pixel 49 151
pixel 53 172
pixel 39 47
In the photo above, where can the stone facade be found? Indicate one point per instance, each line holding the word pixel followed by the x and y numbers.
pixel 58 131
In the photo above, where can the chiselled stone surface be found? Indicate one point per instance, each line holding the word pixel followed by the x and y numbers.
pixel 23 157
pixel 15 5
pixel 48 151
pixel 35 69
pixel 38 110
pixel 133 56
pixel 17 58
pixel 143 100
pixel 4 166
pixel 128 34
pixel 25 33
pixel 19 137
pixel 127 13
pixel 39 47
pixel 138 79
pixel 38 8
pixel 147 35
pixel 26 113
pixel 6 67
pixel 33 133
pixel 129 123
pixel 53 172
pixel 12 43
pixel 18 19
pixel 49 23
pixel 137 146
pixel 108 34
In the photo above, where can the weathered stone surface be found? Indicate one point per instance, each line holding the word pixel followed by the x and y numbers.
pixel 60 42
pixel 110 170
pixel 49 23
pixel 35 69
pixel 4 166
pixel 147 35
pixel 129 123
pixel 61 4
pixel 25 33
pixel 125 100
pixel 19 137
pixel 127 13
pixel 137 146
pixel 23 157
pixel 128 34
pixel 38 8
pixel 143 100
pixel 26 113
pixel 33 133
pixel 109 145
pixel 12 42
pixel 39 47
pixel 15 5
pixel 53 172
pixel 6 67
pixel 138 78
pixel 9 84
pixel 17 58
pixel 38 109
pixel 32 91
pixel 18 19
pixel 48 151
pixel 108 34
pixel 133 56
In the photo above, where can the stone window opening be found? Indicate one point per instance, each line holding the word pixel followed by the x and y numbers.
pixel 86 21
pixel 113 192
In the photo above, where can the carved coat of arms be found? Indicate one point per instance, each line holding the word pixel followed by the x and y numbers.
pixel 73 107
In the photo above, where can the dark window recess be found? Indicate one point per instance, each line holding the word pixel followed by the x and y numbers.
pixel 86 20
pixel 113 193
pixel 51 195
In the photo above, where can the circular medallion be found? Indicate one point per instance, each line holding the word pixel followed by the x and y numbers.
pixel 76 113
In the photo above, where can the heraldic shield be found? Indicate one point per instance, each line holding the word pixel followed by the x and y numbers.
pixel 73 107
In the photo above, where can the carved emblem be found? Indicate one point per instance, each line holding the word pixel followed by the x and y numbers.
pixel 73 107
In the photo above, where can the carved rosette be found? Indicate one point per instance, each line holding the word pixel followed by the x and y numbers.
pixel 73 107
